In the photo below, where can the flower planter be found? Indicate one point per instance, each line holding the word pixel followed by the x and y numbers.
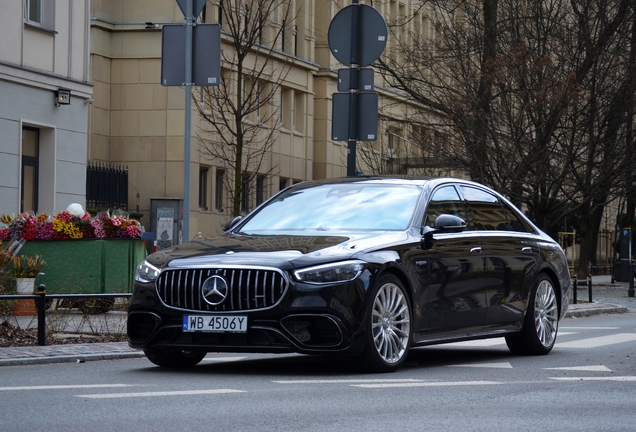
pixel 25 307
pixel 87 266
pixel 25 285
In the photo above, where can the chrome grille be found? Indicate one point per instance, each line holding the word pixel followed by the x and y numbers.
pixel 249 288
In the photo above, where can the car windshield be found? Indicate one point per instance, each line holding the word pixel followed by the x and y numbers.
pixel 340 207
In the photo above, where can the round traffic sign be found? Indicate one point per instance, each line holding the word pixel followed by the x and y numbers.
pixel 372 33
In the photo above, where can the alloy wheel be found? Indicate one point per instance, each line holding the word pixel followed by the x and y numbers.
pixel 391 323
pixel 546 313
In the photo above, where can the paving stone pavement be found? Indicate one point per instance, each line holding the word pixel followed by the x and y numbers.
pixel 607 298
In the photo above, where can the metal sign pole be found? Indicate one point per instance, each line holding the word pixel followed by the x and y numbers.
pixel 188 120
pixel 353 94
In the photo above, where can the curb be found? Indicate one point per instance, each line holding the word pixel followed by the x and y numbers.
pixel 596 310
pixel 69 358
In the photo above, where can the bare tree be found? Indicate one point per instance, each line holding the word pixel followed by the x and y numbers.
pixel 242 115
pixel 536 95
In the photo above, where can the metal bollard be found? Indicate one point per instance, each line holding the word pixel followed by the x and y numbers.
pixel 575 283
pixel 589 287
pixel 41 315
pixel 630 290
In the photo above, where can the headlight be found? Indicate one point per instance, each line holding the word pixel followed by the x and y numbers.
pixel 146 272
pixel 329 273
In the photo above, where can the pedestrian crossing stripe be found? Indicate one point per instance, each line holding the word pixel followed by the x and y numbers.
pixel 607 378
pixel 64 387
pixel 599 368
pixel 600 341
pixel 159 393
pixel 500 365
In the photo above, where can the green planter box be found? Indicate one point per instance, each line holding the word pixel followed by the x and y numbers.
pixel 87 266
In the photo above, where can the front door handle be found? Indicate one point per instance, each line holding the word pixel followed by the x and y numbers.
pixel 526 249
pixel 475 250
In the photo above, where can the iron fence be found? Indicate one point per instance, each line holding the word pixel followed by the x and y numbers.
pixel 41 298
pixel 106 186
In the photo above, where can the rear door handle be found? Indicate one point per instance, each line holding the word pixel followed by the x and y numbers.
pixel 526 249
pixel 475 250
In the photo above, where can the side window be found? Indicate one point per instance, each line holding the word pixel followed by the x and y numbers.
pixel 514 223
pixel 445 200
pixel 485 210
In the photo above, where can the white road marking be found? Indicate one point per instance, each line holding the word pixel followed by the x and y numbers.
pixel 590 328
pixel 502 365
pixel 348 381
pixel 427 384
pixel 62 387
pixel 163 393
pixel 222 359
pixel 611 378
pixel 476 343
pixel 599 368
pixel 599 341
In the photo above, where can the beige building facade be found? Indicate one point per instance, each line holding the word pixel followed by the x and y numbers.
pixel 137 122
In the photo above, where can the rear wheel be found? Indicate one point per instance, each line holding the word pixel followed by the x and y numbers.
pixel 539 332
pixel 388 321
pixel 175 358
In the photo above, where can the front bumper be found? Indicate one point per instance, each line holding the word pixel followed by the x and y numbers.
pixel 308 319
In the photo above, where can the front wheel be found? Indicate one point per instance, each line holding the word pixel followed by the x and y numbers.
pixel 539 331
pixel 175 358
pixel 388 322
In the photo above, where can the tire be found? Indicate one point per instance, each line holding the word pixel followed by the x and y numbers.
pixel 388 324
pixel 175 358
pixel 540 325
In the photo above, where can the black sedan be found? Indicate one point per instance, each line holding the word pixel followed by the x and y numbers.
pixel 358 268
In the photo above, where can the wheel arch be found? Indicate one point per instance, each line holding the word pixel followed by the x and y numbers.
pixel 398 273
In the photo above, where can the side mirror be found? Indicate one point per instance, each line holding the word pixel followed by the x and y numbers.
pixel 450 223
pixel 229 224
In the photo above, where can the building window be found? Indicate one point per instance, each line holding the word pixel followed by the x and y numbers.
pixel 220 13
pixel 282 184
pixel 286 108
pixel 30 169
pixel 34 11
pixel 260 190
pixel 299 112
pixel 218 190
pixel 245 193
pixel 203 188
pixel 40 13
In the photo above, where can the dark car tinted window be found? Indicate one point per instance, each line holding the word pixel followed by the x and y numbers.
pixel 485 210
pixel 514 223
pixel 445 200
pixel 338 207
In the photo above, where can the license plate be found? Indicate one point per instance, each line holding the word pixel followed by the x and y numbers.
pixel 215 323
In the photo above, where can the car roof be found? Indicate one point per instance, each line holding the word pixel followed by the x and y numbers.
pixel 399 180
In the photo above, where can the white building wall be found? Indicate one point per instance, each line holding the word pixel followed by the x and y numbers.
pixel 34 64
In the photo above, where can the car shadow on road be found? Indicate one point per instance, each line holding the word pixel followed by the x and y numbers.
pixel 317 366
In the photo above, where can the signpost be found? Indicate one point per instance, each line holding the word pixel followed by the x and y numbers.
pixel 177 70
pixel 357 37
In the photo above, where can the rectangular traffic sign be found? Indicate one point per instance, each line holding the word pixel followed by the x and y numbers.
pixel 366 117
pixel 206 55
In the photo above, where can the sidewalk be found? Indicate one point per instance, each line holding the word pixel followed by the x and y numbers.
pixel 607 298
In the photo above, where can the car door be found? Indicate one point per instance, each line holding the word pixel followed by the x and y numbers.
pixel 512 255
pixel 456 289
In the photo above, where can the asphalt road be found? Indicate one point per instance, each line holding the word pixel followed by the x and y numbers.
pixel 588 383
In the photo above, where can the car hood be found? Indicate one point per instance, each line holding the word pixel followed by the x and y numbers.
pixel 280 251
